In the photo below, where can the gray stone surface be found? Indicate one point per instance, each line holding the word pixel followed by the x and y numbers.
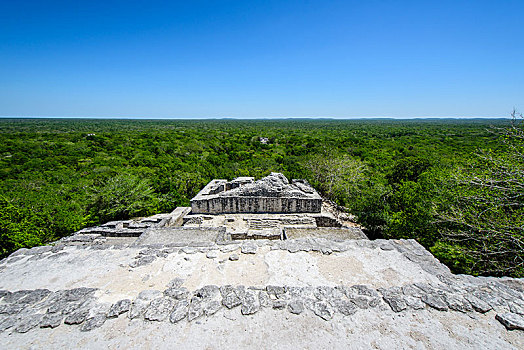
pixel 279 304
pixel 77 317
pixel 51 320
pixel 142 260
pixel 248 247
pixel 177 293
pixel 211 307
pixel 76 294
pixel 276 291
pixel 435 302
pixel 11 309
pixel 181 236
pixel 195 309
pixel 179 311
pixel 271 194
pixel 119 308
pixel 229 248
pixel 31 297
pixel 7 323
pixel 175 283
pixel 149 294
pixel 396 303
pixel 264 299
pixel 232 296
pixel 125 228
pixel 212 254
pixel 323 310
pixel 335 233
pixel 478 304
pixel 137 308
pixel 93 322
pixel 28 322
pixel 457 303
pixel 345 307
pixel 250 303
pixel 511 321
pixel 159 309
pixel 296 307
pixel 360 294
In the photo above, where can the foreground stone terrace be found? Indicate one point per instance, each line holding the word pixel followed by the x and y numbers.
pixel 306 293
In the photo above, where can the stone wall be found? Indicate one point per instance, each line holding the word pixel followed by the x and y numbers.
pixel 271 194
pixel 229 205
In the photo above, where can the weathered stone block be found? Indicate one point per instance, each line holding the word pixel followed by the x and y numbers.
pixel 272 194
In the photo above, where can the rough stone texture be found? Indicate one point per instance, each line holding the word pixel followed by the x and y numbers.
pixel 279 304
pixel 478 304
pixel 7 323
pixel 195 309
pixel 250 303
pixel 125 228
pixel 77 317
pixel 181 236
pixel 345 307
pixel 93 322
pixel 264 299
pixel 211 308
pixel 175 283
pixel 396 303
pixel 248 247
pixel 28 322
pixel 212 254
pixel 149 294
pixel 394 298
pixel 11 309
pixel 335 233
pixel 272 194
pixel 179 312
pixel 457 303
pixel 511 320
pixel 177 293
pixel 231 296
pixel 323 310
pixel 287 294
pixel 142 260
pixel 119 307
pixel 51 320
pixel 137 308
pixel 296 307
pixel 159 309
pixel 435 302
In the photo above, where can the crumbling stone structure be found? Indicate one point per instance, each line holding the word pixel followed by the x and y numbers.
pixel 271 194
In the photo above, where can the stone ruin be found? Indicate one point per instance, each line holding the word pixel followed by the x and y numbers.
pixel 271 194
pixel 287 269
pixel 223 211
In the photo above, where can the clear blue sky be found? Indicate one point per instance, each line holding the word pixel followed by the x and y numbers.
pixel 249 59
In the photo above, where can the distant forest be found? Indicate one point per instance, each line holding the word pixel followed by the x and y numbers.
pixel 456 186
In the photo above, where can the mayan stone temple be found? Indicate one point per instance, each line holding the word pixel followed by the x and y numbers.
pixel 272 194
pixel 253 263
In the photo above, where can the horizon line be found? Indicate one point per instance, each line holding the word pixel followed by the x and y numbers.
pixel 252 118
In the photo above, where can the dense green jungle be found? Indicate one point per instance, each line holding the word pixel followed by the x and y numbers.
pixel 454 185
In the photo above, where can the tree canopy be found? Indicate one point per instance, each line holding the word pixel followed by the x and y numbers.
pixel 453 185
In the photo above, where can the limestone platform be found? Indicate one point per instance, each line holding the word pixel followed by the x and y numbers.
pixel 312 293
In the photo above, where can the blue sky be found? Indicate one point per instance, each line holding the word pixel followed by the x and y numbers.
pixel 250 59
